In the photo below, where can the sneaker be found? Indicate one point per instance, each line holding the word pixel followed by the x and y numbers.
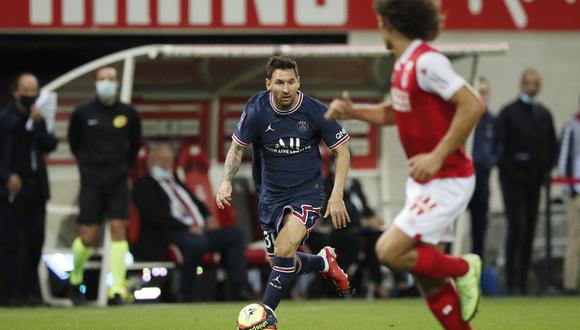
pixel 468 287
pixel 77 296
pixel 332 270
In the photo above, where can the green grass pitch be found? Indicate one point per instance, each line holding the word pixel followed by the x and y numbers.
pixel 498 313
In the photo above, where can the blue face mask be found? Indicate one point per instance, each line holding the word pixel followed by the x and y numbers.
pixel 160 173
pixel 106 89
pixel 527 99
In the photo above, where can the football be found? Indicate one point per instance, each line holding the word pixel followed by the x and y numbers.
pixel 257 317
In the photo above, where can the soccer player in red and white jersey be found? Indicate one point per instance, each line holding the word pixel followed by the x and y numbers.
pixel 434 110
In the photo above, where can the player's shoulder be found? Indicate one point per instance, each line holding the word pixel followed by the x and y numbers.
pixel 313 105
pixel 256 102
pixel 432 59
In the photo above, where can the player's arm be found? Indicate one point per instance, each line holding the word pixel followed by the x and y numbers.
pixel 231 166
pixel 344 108
pixel 336 207
pixel 469 110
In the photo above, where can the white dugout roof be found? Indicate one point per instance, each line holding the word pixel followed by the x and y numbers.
pixel 207 71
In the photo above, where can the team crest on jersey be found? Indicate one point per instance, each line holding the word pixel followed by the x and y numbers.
pixel 302 126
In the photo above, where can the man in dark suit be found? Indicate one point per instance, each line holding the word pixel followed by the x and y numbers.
pixel 169 213
pixel 24 190
pixel 527 152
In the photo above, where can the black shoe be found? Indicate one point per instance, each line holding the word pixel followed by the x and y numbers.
pixel 117 300
pixel 77 296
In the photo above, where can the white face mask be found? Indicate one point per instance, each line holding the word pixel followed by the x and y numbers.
pixel 527 99
pixel 160 173
pixel 106 89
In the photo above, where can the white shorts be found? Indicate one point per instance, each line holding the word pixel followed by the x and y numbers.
pixel 431 209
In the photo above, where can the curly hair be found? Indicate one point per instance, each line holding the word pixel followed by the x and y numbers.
pixel 412 18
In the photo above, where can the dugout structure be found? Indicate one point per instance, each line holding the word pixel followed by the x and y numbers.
pixel 196 93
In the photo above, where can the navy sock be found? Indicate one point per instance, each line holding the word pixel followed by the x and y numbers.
pixel 308 263
pixel 279 281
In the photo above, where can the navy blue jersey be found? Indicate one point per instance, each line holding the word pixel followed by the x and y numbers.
pixel 286 158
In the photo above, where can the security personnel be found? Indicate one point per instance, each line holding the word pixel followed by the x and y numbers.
pixel 105 136
pixel 24 190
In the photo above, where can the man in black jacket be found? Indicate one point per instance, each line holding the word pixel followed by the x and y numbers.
pixel 169 213
pixel 105 136
pixel 527 152
pixel 24 190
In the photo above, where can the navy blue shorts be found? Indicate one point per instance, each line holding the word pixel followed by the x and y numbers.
pixel 306 209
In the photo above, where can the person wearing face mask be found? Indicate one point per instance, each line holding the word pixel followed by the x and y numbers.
pixel 170 213
pixel 527 151
pixel 24 190
pixel 105 136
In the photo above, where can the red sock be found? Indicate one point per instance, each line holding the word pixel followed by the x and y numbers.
pixel 434 263
pixel 446 308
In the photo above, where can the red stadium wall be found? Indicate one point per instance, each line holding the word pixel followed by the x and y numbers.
pixel 197 16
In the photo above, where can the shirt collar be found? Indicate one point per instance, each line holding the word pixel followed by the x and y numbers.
pixel 409 51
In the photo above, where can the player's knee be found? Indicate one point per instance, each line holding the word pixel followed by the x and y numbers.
pixel 285 249
pixel 387 257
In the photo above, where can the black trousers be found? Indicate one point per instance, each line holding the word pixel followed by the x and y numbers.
pixel 228 241
pixel 22 236
pixel 479 209
pixel 521 203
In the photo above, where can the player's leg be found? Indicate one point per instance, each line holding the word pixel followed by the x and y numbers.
pixel 442 299
pixel 283 270
pixel 117 215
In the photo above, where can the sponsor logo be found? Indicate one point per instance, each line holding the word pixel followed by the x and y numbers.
pixel 269 128
pixel 260 326
pixel 340 134
pixel 401 101
pixel 120 121
pixel 92 122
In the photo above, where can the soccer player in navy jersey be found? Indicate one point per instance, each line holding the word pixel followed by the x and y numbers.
pixel 285 127
pixel 434 110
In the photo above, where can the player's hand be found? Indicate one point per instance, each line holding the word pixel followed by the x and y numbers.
pixel 223 197
pixel 14 183
pixel 424 166
pixel 35 114
pixel 340 108
pixel 337 211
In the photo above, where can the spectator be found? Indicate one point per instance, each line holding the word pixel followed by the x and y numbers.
pixel 105 136
pixel 170 213
pixel 527 150
pixel 24 190
pixel 484 158
pixel 569 166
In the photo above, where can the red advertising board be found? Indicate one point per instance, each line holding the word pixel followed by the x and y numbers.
pixel 254 16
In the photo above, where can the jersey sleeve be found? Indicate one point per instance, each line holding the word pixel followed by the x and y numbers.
pixel 332 132
pixel 244 133
pixel 436 75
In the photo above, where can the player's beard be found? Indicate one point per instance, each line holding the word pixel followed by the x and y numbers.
pixel 286 103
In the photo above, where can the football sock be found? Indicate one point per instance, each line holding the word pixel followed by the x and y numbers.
pixel 308 263
pixel 434 263
pixel 81 254
pixel 117 266
pixel 279 281
pixel 446 307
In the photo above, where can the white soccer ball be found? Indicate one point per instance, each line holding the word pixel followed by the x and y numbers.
pixel 257 317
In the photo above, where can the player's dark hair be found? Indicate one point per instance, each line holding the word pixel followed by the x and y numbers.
pixel 412 18
pixel 282 63
pixel 16 80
